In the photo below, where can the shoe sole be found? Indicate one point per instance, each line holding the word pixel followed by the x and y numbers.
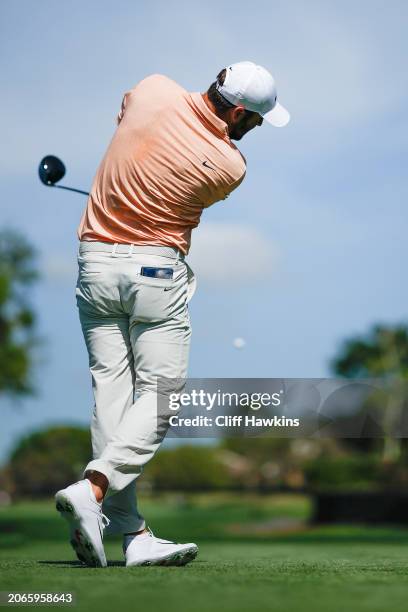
pixel 178 558
pixel 80 540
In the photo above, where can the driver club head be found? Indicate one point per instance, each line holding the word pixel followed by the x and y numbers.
pixel 51 170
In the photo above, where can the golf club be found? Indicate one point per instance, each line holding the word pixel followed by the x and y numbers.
pixel 52 170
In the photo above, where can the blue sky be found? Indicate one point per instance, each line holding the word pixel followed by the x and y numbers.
pixel 312 246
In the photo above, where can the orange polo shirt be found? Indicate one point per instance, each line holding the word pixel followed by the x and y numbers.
pixel 169 158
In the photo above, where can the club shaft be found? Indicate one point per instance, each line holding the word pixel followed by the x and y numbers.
pixel 71 189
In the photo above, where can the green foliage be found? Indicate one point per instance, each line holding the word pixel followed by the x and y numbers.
pixel 258 449
pixel 17 320
pixel 187 468
pixel 46 461
pixel 382 352
pixel 358 471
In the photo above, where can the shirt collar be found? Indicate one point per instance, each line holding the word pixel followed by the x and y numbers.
pixel 208 116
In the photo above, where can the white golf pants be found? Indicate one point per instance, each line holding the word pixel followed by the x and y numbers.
pixel 136 328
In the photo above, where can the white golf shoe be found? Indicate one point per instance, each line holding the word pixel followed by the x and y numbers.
pixel 146 549
pixel 78 505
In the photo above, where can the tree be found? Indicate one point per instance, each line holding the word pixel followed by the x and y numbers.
pixel 17 319
pixel 45 461
pixel 383 352
pixel 187 468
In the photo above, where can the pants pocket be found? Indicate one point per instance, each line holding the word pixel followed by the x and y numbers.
pixel 152 303
pixel 160 299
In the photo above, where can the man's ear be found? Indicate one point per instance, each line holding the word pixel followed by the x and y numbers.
pixel 237 113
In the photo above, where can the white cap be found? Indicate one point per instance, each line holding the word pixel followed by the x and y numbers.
pixel 254 88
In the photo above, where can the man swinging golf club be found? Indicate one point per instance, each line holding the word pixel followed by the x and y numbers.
pixel 171 156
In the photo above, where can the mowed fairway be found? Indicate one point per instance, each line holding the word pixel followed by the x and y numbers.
pixel 249 559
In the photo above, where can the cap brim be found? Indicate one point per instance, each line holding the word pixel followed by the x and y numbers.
pixel 278 116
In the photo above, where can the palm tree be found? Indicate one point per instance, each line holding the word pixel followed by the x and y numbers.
pixel 382 353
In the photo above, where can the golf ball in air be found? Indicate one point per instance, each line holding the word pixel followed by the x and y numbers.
pixel 239 343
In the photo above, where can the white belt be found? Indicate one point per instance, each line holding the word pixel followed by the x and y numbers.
pixel 129 249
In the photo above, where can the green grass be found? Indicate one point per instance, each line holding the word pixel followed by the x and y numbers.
pixel 244 562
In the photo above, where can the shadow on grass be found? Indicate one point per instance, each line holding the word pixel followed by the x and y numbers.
pixel 78 564
pixel 70 563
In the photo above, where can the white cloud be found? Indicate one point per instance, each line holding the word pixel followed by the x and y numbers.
pixel 231 254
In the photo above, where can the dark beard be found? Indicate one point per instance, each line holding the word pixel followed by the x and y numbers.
pixel 239 129
pixel 236 133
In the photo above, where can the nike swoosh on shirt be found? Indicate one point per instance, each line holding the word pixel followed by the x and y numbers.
pixel 207 166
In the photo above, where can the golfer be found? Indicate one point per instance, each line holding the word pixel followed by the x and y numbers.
pixel 171 156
